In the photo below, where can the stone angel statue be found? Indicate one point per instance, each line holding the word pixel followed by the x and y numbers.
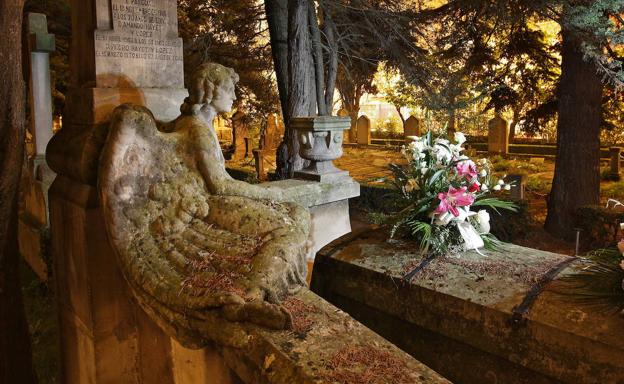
pixel 205 255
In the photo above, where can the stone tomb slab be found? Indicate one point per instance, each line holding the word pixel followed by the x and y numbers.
pixel 465 316
pixel 142 50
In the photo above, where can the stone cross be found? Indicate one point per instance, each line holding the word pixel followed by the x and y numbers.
pixel 363 130
pixel 413 126
pixel 498 136
pixel 41 43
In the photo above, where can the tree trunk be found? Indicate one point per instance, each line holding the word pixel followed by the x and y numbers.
pixel 452 123
pixel 15 352
pixel 301 82
pixel 403 120
pixel 577 168
pixel 277 18
pixel 513 125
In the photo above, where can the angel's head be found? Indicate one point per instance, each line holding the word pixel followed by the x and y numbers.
pixel 211 87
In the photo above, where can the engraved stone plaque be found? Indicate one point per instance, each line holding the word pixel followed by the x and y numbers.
pixel 142 50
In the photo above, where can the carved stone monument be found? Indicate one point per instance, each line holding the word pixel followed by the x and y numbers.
pixel 122 51
pixel 413 126
pixel 498 135
pixel 363 130
pixel 193 242
pixel 107 338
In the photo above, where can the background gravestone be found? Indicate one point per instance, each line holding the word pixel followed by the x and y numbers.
pixel 413 126
pixel 363 130
pixel 241 140
pixel 498 135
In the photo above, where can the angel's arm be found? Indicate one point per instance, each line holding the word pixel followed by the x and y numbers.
pixel 211 165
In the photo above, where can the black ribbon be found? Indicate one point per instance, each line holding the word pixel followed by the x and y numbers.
pixel 519 313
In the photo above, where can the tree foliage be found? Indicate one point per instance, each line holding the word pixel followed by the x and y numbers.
pixel 232 33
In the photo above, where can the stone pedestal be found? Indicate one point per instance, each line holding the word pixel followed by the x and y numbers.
pixel 320 140
pixel 363 130
pixel 413 126
pixel 498 136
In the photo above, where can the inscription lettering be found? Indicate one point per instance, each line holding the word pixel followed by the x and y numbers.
pixel 143 24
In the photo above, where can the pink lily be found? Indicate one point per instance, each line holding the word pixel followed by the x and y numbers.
pixel 467 169
pixel 449 201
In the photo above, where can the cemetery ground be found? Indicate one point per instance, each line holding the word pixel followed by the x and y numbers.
pixel 369 166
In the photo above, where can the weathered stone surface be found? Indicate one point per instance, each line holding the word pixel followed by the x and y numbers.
pixel 310 353
pixel 192 241
pixel 470 304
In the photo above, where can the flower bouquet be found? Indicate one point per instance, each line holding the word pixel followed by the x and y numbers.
pixel 443 196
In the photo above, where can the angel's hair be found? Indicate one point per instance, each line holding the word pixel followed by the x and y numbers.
pixel 205 80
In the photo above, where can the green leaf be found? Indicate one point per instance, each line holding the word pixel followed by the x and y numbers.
pixel 496 204
pixel 436 176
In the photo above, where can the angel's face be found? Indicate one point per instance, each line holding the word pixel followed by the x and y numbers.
pixel 224 96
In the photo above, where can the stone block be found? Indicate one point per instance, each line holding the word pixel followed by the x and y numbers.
pixel 518 186
pixel 200 366
pixel 95 105
pixel 479 307
pixel 103 338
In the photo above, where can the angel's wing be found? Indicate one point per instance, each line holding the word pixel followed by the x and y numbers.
pixel 182 250
pixel 155 203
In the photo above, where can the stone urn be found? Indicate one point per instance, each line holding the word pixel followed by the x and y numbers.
pixel 320 142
